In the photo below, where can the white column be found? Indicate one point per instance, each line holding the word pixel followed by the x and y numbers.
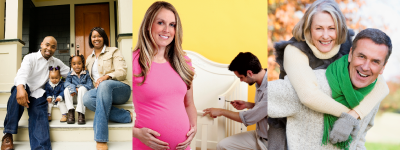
pixel 14 19
pixel 2 5
pixel 124 19
pixel 124 16
pixel 11 47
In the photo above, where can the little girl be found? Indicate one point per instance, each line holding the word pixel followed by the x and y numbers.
pixel 78 82
pixel 55 92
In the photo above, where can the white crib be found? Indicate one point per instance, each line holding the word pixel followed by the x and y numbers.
pixel 212 85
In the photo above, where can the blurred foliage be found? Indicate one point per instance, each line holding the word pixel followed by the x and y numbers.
pixel 392 101
pixel 284 14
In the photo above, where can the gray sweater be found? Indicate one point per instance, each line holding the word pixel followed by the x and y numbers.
pixel 305 126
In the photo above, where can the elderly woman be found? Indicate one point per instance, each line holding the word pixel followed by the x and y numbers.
pixel 162 83
pixel 319 38
pixel 107 68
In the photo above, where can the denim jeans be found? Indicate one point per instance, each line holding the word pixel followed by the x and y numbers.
pixel 100 101
pixel 39 133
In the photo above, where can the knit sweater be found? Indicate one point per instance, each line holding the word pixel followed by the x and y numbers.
pixel 304 125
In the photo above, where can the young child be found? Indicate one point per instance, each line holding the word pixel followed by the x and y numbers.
pixel 78 82
pixel 55 92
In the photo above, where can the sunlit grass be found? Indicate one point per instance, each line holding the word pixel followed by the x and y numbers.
pixel 382 146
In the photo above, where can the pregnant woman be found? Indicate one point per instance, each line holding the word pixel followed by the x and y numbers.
pixel 162 83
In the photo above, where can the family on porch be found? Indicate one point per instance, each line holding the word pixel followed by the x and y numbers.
pixel 327 96
pixel 96 83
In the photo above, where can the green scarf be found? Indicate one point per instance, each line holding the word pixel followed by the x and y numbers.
pixel 343 92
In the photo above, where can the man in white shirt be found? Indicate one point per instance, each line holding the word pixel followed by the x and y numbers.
pixel 28 91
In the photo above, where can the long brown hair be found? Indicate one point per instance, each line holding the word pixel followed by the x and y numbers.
pixel 173 53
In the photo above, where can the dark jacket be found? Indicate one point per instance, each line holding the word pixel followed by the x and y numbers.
pixel 277 126
pixel 56 91
pixel 73 81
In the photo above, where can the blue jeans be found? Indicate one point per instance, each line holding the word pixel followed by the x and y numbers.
pixel 39 133
pixel 100 101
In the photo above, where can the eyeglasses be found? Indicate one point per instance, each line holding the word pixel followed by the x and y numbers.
pixel 55 68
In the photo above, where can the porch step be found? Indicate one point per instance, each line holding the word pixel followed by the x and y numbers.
pixel 118 132
pixel 77 145
pixel 4 95
pixel 56 114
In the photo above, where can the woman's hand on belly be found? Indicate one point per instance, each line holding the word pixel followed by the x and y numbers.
pixel 148 137
pixel 192 132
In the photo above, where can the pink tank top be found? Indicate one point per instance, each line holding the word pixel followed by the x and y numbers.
pixel 159 103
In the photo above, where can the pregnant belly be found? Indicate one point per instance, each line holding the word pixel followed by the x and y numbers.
pixel 171 127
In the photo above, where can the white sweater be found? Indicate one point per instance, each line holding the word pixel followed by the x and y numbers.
pixel 305 126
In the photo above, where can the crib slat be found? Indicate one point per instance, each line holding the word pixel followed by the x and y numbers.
pixel 204 136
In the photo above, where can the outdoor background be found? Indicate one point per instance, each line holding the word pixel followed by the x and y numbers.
pixel 360 14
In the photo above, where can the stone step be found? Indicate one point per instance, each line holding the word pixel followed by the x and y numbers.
pixel 56 114
pixel 77 145
pixel 4 95
pixel 118 132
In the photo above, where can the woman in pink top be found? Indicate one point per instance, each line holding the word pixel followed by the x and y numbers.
pixel 162 91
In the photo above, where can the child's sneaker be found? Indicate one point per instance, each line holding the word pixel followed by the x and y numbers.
pixel 63 118
pixel 49 118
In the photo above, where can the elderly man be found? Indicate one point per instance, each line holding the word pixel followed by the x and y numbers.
pixel 348 80
pixel 28 91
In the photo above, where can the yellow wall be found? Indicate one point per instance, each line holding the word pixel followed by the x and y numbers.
pixel 218 29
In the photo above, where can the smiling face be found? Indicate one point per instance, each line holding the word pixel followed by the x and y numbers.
pixel 76 64
pixel 54 76
pixel 248 79
pixel 97 40
pixel 323 32
pixel 367 61
pixel 163 28
pixel 48 47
